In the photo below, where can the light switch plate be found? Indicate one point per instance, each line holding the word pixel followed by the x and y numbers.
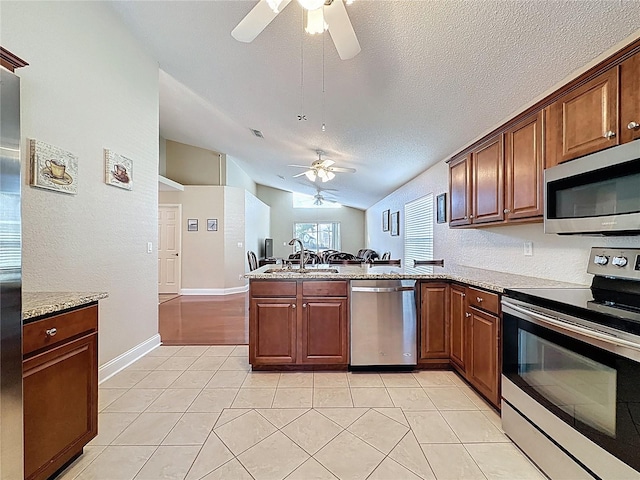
pixel 239 244
pixel 149 247
pixel 528 249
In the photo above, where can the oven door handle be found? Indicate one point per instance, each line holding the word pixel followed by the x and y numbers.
pixel 570 327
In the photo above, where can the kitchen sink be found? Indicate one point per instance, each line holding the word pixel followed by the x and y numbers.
pixel 304 270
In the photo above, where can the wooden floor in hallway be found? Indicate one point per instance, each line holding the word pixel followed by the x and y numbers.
pixel 205 320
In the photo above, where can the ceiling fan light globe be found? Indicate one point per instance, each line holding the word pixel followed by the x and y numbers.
pixel 330 176
pixel 322 173
pixel 311 175
pixel 315 22
pixel 311 4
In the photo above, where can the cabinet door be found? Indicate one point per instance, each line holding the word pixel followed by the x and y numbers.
pixel 523 169
pixel 272 331
pixel 483 367
pixel 630 99
pixel 459 191
pixel 60 405
pixel 434 325
pixel 458 324
pixel 324 331
pixel 588 117
pixel 488 181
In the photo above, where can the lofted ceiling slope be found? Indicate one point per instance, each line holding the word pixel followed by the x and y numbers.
pixel 431 77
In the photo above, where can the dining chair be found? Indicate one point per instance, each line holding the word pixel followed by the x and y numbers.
pixel 397 262
pixel 386 256
pixel 253 260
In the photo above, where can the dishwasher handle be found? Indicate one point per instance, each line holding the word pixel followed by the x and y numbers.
pixel 382 289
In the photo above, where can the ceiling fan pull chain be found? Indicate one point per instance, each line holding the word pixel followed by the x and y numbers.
pixel 324 127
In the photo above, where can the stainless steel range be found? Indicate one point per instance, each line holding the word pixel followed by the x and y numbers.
pixel 571 372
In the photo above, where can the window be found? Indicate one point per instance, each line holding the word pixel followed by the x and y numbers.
pixel 418 231
pixel 318 237
pixel 300 200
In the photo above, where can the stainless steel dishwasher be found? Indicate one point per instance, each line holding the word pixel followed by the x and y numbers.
pixel 383 322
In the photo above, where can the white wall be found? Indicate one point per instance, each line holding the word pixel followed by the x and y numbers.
pixel 283 216
pixel 496 248
pixel 90 86
pixel 236 177
pixel 257 225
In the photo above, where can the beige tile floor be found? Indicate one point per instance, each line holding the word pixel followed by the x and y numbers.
pixel 199 413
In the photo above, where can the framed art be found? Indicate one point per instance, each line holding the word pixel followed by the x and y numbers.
pixel 395 224
pixel 192 225
pixel 212 224
pixel 118 170
pixel 53 168
pixel 441 208
pixel 385 221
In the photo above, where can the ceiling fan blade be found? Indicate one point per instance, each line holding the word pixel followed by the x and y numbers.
pixel 301 174
pixel 341 169
pixel 256 21
pixel 327 163
pixel 299 166
pixel 341 30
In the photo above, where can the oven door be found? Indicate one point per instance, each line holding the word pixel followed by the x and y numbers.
pixel 587 379
pixel 596 194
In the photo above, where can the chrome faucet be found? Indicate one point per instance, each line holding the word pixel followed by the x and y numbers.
pixel 293 242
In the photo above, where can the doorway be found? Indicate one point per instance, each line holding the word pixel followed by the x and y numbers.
pixel 169 248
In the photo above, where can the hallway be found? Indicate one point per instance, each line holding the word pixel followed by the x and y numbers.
pixel 205 320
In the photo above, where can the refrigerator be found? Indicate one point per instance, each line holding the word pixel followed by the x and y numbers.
pixel 11 434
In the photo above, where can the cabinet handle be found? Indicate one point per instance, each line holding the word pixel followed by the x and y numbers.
pixel 467 314
pixel 479 299
pixel 466 217
pixel 506 210
pixel 304 305
pixel 610 134
pixel 51 332
pixel 293 305
pixel 464 295
pixel 633 125
pixel 470 216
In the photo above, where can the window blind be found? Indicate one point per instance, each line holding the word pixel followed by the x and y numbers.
pixel 418 232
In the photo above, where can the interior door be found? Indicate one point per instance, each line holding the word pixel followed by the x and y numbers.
pixel 169 244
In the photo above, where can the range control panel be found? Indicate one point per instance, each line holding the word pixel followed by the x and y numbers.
pixel 615 262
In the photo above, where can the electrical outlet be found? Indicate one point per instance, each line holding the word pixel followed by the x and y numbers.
pixel 239 244
pixel 528 249
pixel 149 247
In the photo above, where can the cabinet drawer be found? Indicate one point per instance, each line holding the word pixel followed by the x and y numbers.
pixel 484 300
pixel 273 288
pixel 60 328
pixel 332 288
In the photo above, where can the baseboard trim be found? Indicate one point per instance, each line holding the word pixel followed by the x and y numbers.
pixel 112 367
pixel 214 291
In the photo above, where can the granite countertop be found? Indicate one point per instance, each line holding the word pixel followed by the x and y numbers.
pixel 38 304
pixel 477 277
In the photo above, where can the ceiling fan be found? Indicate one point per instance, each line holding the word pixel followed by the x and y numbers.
pixel 321 15
pixel 322 169
pixel 319 199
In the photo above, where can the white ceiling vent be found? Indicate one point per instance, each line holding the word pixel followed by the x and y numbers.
pixel 257 133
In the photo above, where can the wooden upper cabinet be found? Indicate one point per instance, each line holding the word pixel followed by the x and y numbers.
pixel 630 99
pixel 587 118
pixel 487 162
pixel 523 169
pixel 459 190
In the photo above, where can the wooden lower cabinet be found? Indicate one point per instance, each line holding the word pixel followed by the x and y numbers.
pixel 310 328
pixel 434 324
pixel 458 326
pixel 483 369
pixel 273 331
pixel 324 331
pixel 60 391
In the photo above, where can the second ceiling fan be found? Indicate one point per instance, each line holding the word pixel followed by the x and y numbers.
pixel 323 14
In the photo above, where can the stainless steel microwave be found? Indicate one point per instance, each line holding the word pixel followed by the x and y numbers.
pixel 598 194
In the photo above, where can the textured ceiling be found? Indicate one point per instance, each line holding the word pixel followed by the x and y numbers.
pixel 431 77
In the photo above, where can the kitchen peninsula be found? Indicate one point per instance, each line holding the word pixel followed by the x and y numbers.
pixel 301 321
pixel 60 377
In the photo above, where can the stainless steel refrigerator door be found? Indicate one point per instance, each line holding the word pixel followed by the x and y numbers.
pixel 11 448
pixel 383 322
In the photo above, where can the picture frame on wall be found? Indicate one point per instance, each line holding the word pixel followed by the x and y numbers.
pixel 395 224
pixel 441 208
pixel 118 170
pixel 385 221
pixel 192 225
pixel 212 224
pixel 53 168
